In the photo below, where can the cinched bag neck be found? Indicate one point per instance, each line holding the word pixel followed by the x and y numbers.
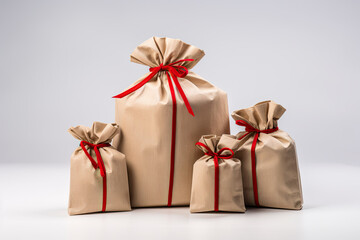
pixel 261 116
pixel 156 51
pixel 216 143
pixel 98 133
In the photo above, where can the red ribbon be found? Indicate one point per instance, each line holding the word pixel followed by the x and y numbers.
pixel 216 156
pixel 249 129
pixel 174 71
pixel 100 164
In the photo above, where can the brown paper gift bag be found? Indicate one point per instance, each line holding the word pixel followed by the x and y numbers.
pixel 217 181
pixel 161 117
pixel 98 174
pixel 270 169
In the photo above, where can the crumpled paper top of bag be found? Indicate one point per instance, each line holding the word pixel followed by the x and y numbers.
pixel 216 143
pixel 98 133
pixel 263 115
pixel 155 51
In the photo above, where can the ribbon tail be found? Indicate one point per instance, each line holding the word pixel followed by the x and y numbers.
pixel 82 145
pixel 253 169
pixel 182 94
pixel 100 162
pixel 173 139
pixel 103 175
pixel 216 197
pixel 103 209
pixel 137 86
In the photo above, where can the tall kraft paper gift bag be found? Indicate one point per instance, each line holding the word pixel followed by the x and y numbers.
pixel 161 116
pixel 217 180
pixel 270 169
pixel 98 174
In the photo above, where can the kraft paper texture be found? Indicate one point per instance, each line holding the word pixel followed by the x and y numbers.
pixel 278 176
pixel 145 117
pixel 231 198
pixel 86 183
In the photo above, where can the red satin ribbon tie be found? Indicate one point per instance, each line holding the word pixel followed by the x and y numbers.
pixel 250 129
pixel 216 156
pixel 99 164
pixel 172 71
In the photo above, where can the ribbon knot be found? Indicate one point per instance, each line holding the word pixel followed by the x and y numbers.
pixel 249 129
pixel 216 156
pixel 99 164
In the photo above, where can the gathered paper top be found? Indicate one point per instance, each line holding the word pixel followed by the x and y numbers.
pixel 216 143
pixel 155 51
pixel 263 115
pixel 98 133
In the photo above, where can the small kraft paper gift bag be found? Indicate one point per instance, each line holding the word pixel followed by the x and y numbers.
pixel 217 180
pixel 269 161
pixel 98 174
pixel 161 116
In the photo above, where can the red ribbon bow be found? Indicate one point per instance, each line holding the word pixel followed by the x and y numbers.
pixel 216 156
pixel 175 71
pixel 249 129
pixel 100 164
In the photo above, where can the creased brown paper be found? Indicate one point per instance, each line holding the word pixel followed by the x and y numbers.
pixel 145 117
pixel 86 183
pixel 277 171
pixel 231 198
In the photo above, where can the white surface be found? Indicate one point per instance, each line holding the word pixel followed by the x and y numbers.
pixel 33 204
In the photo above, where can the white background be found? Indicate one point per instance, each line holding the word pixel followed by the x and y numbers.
pixel 62 61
